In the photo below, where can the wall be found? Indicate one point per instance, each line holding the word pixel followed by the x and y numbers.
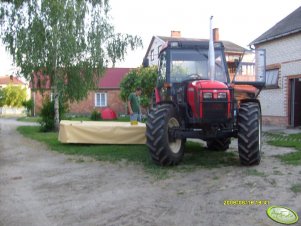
pixel 157 42
pixel 86 106
pixel 37 98
pixel 11 111
pixel 285 51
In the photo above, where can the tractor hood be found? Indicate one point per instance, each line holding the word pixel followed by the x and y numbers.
pixel 209 99
pixel 208 84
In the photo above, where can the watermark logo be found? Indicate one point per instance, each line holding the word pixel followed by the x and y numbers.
pixel 282 215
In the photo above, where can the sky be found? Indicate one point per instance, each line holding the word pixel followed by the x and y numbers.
pixel 239 21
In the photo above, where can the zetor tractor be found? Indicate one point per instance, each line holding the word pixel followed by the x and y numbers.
pixel 194 98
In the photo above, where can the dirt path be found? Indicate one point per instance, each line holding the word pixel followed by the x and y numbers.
pixel 40 187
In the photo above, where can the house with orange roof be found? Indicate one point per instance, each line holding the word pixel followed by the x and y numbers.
pixel 4 82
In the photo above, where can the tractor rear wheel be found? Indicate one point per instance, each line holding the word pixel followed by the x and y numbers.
pixel 219 144
pixel 164 150
pixel 249 133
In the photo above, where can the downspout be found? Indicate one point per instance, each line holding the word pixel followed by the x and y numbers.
pixel 34 103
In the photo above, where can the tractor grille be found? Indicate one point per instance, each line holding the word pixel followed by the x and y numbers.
pixel 215 110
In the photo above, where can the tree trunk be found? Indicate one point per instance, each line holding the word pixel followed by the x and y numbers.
pixel 56 109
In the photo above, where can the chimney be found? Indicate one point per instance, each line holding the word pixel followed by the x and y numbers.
pixel 175 34
pixel 215 35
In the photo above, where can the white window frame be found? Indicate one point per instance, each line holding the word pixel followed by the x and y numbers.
pixel 99 102
pixel 272 78
pixel 159 48
pixel 152 54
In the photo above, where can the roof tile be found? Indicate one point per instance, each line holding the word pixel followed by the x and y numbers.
pixel 289 25
pixel 4 80
pixel 113 77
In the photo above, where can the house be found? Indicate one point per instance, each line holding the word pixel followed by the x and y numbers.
pixel 106 95
pixel 281 99
pixel 4 82
pixel 232 51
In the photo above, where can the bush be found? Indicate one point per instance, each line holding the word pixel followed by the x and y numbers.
pixel 95 115
pixel 12 96
pixel 47 114
pixel 141 77
pixel 2 98
pixel 29 105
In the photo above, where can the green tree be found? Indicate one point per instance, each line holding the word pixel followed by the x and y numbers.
pixel 129 83
pixel 148 82
pixel 141 77
pixel 2 98
pixel 71 41
pixel 47 114
pixel 29 106
pixel 12 96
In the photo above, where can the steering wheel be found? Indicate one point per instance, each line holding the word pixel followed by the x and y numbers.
pixel 194 76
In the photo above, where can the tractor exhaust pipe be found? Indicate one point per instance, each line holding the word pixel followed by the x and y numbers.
pixel 211 54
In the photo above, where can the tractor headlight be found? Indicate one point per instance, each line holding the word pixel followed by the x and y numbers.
pixel 207 95
pixel 222 95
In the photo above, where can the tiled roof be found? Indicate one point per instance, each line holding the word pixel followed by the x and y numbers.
pixel 110 80
pixel 5 80
pixel 289 25
pixel 113 77
pixel 229 46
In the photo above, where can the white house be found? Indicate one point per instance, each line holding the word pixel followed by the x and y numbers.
pixel 232 50
pixel 281 99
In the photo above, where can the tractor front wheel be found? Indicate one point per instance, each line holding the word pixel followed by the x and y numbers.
pixel 164 149
pixel 249 133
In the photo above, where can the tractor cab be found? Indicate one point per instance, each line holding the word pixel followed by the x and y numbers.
pixel 183 62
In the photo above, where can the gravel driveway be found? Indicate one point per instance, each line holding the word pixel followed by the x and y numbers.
pixel 41 187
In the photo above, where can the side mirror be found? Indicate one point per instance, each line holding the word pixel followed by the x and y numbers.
pixel 145 62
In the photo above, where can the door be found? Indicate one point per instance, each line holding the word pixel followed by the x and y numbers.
pixel 295 103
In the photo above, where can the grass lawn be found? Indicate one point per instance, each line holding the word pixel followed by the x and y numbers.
pixel 195 157
pixel 288 140
pixel 29 119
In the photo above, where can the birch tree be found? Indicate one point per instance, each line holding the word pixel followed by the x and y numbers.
pixel 71 41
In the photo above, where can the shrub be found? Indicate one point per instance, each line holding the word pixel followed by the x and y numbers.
pixel 95 115
pixel 29 105
pixel 47 114
pixel 13 96
pixel 141 77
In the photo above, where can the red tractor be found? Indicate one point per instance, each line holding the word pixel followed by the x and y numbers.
pixel 194 98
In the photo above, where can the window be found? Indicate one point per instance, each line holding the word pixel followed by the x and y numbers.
pixel 159 48
pixel 100 99
pixel 152 55
pixel 186 64
pixel 272 79
pixel 162 70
